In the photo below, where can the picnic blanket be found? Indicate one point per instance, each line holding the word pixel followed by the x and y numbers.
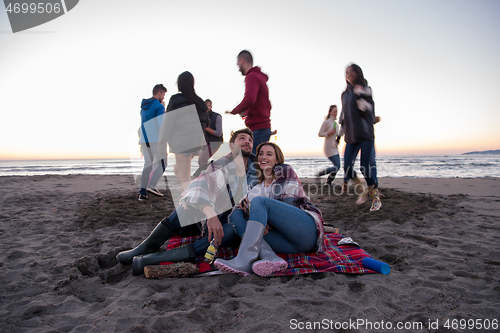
pixel 335 258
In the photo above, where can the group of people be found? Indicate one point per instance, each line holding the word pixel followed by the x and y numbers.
pixel 249 196
pixel 271 196
pixel 178 125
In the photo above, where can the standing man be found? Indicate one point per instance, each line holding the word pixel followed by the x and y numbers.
pixel 155 157
pixel 255 105
pixel 213 135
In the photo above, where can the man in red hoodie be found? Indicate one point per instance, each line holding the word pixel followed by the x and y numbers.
pixel 255 105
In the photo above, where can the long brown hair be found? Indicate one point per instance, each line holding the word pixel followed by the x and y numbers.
pixel 280 158
pixel 330 110
pixel 360 77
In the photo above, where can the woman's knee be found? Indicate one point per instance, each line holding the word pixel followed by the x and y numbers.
pixel 259 201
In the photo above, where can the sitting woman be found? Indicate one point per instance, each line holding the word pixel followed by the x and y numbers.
pixel 275 215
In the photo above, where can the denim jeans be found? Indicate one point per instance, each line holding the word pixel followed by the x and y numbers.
pixel 201 245
pixel 152 160
pixel 292 229
pixel 259 136
pixel 373 164
pixel 351 151
pixel 336 165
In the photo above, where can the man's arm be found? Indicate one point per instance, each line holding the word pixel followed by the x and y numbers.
pixel 159 113
pixel 218 127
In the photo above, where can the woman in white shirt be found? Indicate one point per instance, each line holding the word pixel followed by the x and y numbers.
pixel 328 130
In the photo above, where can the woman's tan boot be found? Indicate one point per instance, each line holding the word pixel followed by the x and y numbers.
pixel 364 194
pixel 375 195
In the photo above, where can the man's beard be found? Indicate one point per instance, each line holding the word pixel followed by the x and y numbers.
pixel 246 153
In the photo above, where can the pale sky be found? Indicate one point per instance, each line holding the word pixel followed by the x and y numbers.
pixel 72 88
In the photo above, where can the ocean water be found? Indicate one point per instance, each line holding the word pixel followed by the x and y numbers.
pixel 446 166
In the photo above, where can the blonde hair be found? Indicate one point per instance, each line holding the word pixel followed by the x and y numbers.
pixel 280 158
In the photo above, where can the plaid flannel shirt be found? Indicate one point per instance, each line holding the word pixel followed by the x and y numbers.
pixel 211 187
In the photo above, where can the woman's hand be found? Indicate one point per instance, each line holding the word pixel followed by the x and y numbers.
pixel 332 132
pixel 244 204
pixel 358 89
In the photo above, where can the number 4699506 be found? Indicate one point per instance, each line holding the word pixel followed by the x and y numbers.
pixel 33 8
pixel 471 324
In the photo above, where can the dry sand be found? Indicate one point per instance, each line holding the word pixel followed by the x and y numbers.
pixel 58 273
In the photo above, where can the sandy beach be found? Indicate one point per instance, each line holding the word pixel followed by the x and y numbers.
pixel 59 236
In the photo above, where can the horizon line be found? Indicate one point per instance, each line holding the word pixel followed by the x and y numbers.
pixel 286 156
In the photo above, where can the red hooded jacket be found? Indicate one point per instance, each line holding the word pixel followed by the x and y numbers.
pixel 255 105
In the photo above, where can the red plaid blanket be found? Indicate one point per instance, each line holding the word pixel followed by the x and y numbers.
pixel 338 259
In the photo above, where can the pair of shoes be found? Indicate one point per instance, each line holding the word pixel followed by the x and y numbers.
pixel 179 254
pixel 143 197
pixel 155 191
pixel 155 240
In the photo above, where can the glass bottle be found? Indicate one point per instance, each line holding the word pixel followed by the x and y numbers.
pixel 211 252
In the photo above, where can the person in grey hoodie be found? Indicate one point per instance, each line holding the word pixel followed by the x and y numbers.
pixel 152 111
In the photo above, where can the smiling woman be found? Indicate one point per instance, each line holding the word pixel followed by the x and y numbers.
pixel 269 155
pixel 275 215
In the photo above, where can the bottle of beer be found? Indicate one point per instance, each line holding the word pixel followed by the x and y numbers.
pixel 211 252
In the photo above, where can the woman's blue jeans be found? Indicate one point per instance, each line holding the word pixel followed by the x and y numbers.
pixel 367 153
pixel 336 165
pixel 292 229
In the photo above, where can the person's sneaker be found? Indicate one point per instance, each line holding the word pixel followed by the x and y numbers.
pixel 143 197
pixel 155 191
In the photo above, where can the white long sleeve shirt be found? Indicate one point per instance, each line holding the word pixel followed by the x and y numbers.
pixel 330 145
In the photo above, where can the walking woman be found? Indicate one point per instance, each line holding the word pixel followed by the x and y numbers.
pixel 275 215
pixel 357 123
pixel 184 135
pixel 328 131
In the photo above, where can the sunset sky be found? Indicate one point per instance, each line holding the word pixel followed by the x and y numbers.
pixel 72 88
